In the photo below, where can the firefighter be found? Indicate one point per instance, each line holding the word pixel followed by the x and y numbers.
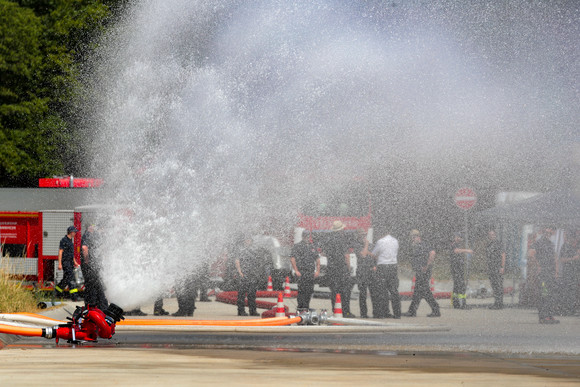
pixel 542 254
pixel 422 258
pixel 457 257
pixel 66 263
pixel 185 291
pixel 365 275
pixel 306 264
pixel 249 264
pixel 94 291
pixel 337 247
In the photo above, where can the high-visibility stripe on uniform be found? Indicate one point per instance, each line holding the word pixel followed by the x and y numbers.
pixel 544 290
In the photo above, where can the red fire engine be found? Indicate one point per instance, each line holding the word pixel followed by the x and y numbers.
pixel 34 220
pixel 350 204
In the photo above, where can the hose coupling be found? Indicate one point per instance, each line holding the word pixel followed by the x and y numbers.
pixel 49 332
pixel 312 316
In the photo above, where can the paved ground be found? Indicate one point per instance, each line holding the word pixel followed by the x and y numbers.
pixel 481 347
pixel 210 367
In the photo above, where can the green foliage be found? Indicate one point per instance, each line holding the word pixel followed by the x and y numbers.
pixel 20 32
pixel 42 45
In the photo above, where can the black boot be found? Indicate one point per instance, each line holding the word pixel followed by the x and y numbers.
pixel 455 301
pixel 135 312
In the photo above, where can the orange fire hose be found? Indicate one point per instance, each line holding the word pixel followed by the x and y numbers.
pixel 22 331
pixel 276 321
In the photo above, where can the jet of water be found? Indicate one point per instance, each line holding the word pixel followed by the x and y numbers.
pixel 213 116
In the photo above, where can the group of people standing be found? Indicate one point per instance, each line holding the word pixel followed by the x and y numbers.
pixel 377 270
pixel 376 273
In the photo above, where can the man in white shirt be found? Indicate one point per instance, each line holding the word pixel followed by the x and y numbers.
pixel 385 252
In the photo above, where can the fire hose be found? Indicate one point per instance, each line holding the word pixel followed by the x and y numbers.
pixel 22 330
pixel 86 324
pixel 31 318
pixel 275 321
pixel 89 324
pixel 308 321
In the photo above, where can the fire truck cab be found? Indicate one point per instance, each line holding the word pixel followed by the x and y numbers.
pixel 32 223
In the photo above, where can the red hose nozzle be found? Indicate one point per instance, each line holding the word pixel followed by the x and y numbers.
pixel 89 324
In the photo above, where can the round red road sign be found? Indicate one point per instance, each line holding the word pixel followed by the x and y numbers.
pixel 465 198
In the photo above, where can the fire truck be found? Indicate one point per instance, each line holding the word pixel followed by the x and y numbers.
pixel 34 220
pixel 350 203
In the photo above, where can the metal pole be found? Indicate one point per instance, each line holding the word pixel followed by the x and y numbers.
pixel 465 229
pixel 467 255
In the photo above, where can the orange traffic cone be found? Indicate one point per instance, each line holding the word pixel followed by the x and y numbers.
pixel 432 285
pixel 337 306
pixel 287 288
pixel 270 288
pixel 280 310
pixel 413 284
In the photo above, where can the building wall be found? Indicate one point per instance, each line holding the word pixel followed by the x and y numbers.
pixel 42 199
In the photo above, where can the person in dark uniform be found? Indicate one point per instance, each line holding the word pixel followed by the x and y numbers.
pixel 495 267
pixel 306 264
pixel 365 275
pixel 248 263
pixel 231 280
pixel 422 258
pixel 202 282
pixel 66 263
pixel 186 292
pixel 542 255
pixel 336 250
pixel 457 257
pixel 570 269
pixel 94 291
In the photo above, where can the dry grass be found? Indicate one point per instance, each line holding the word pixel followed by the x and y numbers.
pixel 13 297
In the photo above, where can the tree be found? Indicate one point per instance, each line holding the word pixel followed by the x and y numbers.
pixel 24 116
pixel 42 44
